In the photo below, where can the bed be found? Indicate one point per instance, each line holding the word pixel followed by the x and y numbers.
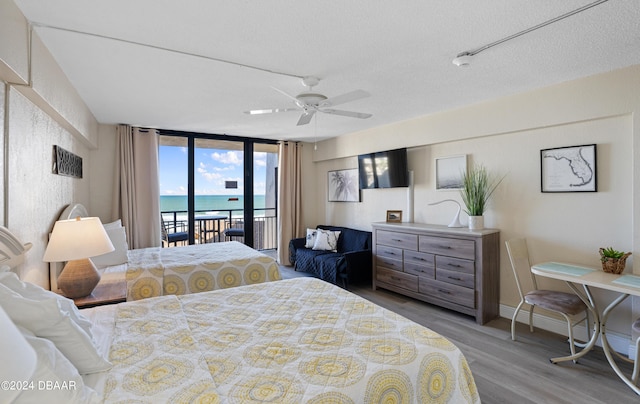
pixel 156 271
pixel 300 340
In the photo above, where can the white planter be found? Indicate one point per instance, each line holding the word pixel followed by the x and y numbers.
pixel 476 222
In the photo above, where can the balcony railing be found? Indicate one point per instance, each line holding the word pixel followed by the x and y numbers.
pixel 210 225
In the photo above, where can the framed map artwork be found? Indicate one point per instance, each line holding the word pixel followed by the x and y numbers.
pixel 343 185
pixel 568 169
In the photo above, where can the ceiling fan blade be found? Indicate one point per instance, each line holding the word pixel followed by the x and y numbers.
pixel 269 111
pixel 351 114
pixel 305 118
pixel 294 99
pixel 344 98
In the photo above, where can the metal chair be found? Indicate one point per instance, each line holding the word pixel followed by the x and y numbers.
pixel 230 233
pixel 567 304
pixel 173 233
pixel 234 229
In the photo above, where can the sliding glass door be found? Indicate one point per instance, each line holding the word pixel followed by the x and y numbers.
pixel 209 185
pixel 265 186
pixel 173 161
pixel 218 188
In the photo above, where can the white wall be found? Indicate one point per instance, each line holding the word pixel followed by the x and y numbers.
pixel 506 135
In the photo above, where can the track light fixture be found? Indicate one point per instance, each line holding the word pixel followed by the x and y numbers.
pixel 464 58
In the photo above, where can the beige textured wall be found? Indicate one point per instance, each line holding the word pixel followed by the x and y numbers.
pixel 36 197
pixel 506 135
pixel 41 109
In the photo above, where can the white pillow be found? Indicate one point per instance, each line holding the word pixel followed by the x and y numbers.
pixel 45 319
pixel 311 238
pixel 35 292
pixel 326 240
pixel 18 359
pixel 118 256
pixel 112 225
pixel 55 379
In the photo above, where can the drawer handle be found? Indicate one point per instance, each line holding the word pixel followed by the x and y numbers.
pixel 444 291
pixel 393 278
pixel 390 252
pixel 399 240
pixel 446 247
pixel 455 265
pixel 454 278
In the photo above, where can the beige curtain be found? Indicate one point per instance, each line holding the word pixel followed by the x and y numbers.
pixel 289 197
pixel 137 189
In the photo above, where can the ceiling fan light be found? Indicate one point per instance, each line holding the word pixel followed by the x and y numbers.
pixel 463 59
pixel 311 98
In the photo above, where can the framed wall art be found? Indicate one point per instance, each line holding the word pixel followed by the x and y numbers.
pixel 66 163
pixel 449 171
pixel 568 169
pixel 343 185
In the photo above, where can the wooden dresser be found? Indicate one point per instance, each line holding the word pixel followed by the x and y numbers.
pixel 456 268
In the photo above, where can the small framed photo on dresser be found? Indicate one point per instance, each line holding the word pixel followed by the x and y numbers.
pixel 394 216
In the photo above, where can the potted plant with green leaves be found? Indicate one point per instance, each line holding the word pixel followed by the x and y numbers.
pixel 477 188
pixel 613 261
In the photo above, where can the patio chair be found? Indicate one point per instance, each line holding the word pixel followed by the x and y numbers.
pixel 173 233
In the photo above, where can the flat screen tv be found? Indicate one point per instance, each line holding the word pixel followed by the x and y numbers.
pixel 386 169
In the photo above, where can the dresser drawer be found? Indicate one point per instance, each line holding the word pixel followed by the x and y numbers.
pixel 400 240
pixel 419 258
pixel 447 291
pixel 448 246
pixel 455 264
pixel 399 279
pixel 389 252
pixel 420 269
pixel 417 263
pixel 390 263
pixel 457 278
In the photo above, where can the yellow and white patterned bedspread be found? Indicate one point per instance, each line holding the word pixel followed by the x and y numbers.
pixel 196 268
pixel 295 341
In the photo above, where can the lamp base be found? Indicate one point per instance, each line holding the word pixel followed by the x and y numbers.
pixel 78 278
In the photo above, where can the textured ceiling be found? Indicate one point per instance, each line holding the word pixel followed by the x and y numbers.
pixel 398 51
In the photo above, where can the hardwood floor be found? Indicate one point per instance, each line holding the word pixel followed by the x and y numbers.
pixel 509 371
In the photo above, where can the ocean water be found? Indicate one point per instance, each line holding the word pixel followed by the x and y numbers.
pixel 210 203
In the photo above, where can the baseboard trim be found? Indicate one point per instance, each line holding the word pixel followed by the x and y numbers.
pixel 620 342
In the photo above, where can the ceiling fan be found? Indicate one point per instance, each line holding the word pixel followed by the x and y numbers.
pixel 309 103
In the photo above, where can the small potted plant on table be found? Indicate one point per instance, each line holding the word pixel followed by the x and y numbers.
pixel 613 261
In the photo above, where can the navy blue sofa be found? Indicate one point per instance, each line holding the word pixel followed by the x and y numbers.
pixel 351 262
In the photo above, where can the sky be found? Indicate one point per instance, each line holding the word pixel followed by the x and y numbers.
pixel 213 168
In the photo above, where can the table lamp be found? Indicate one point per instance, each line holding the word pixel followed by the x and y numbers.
pixel 18 358
pixel 456 219
pixel 76 241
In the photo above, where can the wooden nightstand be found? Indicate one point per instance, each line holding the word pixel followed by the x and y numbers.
pixel 104 293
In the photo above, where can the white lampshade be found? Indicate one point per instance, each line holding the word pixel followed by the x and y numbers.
pixel 76 239
pixel 18 357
